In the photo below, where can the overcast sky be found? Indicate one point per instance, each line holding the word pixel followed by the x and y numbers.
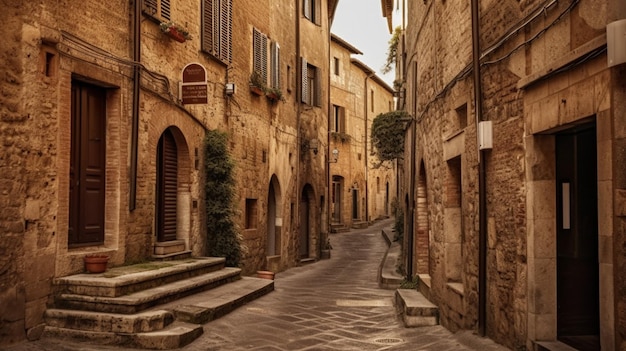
pixel 361 23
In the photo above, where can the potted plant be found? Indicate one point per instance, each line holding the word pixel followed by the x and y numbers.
pixel 275 94
pixel 175 31
pixel 96 263
pixel 257 85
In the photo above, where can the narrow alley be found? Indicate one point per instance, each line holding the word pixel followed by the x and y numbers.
pixel 333 304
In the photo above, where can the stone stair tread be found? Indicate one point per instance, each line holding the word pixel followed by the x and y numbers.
pixel 175 335
pixel 151 296
pixel 416 310
pixel 118 276
pixel 145 321
pixel 212 304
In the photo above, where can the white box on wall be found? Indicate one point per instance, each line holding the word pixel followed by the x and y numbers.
pixel 616 42
pixel 485 135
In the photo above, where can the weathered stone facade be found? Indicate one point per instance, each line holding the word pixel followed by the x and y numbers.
pixel 53 52
pixel 545 83
pixel 362 188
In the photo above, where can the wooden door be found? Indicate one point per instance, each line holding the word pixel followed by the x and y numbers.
pixel 304 225
pixel 87 165
pixel 577 239
pixel 167 187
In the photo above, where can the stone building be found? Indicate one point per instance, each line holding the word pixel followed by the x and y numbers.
pixel 515 205
pixel 362 188
pixel 104 114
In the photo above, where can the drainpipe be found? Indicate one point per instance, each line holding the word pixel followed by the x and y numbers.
pixel 365 147
pixel 296 216
pixel 482 196
pixel 132 201
pixel 329 110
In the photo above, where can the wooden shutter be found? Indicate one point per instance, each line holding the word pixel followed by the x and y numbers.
pixel 159 9
pixel 275 63
pixel 168 187
pixel 317 99
pixel 208 38
pixel 307 8
pixel 259 49
pixel 226 30
pixel 304 81
pixel 217 29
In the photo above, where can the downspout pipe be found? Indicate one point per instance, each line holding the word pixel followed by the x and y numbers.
pixel 482 193
pixel 365 114
pixel 295 226
pixel 134 137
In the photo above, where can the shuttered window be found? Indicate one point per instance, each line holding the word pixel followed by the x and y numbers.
pixel 311 84
pixel 275 62
pixel 159 9
pixel 259 53
pixel 310 10
pixel 217 29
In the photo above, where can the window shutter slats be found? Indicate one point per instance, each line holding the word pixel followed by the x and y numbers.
pixel 207 26
pixel 226 30
pixel 304 81
pixel 259 51
pixel 275 65
pixel 318 87
pixel 165 9
pixel 217 33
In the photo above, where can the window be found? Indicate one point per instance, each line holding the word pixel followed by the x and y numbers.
pixel 339 119
pixel 336 65
pixel 311 84
pixel 259 54
pixel 275 62
pixel 251 213
pixel 217 18
pixel 311 10
pixel 159 9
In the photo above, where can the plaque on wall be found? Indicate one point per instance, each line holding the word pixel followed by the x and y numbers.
pixel 193 89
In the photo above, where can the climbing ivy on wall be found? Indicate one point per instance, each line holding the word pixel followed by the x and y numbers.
pixel 223 239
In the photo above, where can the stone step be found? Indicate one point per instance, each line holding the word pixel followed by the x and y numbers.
pixel 120 281
pixel 148 321
pixel 142 300
pixel 212 304
pixel 416 310
pixel 175 335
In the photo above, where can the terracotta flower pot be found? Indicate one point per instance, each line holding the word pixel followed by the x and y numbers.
pixel 176 35
pixel 96 263
pixel 265 275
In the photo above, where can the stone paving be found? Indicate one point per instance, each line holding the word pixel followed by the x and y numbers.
pixel 333 304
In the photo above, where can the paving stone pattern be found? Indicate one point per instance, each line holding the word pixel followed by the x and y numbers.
pixel 333 304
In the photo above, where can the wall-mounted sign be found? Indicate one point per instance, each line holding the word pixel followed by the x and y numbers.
pixel 193 89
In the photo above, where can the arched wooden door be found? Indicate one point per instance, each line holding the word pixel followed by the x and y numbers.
pixel 167 187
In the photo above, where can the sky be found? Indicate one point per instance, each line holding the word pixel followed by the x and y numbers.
pixel 361 23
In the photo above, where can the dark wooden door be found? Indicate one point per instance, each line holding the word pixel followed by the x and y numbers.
pixel 87 165
pixel 167 187
pixel 577 239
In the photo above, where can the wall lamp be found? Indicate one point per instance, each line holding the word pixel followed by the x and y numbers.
pixel 334 157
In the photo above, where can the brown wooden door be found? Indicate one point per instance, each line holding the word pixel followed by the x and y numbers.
pixel 167 187
pixel 577 239
pixel 304 225
pixel 87 165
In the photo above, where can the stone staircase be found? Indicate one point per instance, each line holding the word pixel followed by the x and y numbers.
pixel 156 305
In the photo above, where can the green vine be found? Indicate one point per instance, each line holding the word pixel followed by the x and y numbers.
pixel 388 134
pixel 392 51
pixel 223 239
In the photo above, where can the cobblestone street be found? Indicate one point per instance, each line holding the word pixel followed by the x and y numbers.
pixel 333 304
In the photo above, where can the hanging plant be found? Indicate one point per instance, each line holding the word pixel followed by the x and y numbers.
pixel 175 31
